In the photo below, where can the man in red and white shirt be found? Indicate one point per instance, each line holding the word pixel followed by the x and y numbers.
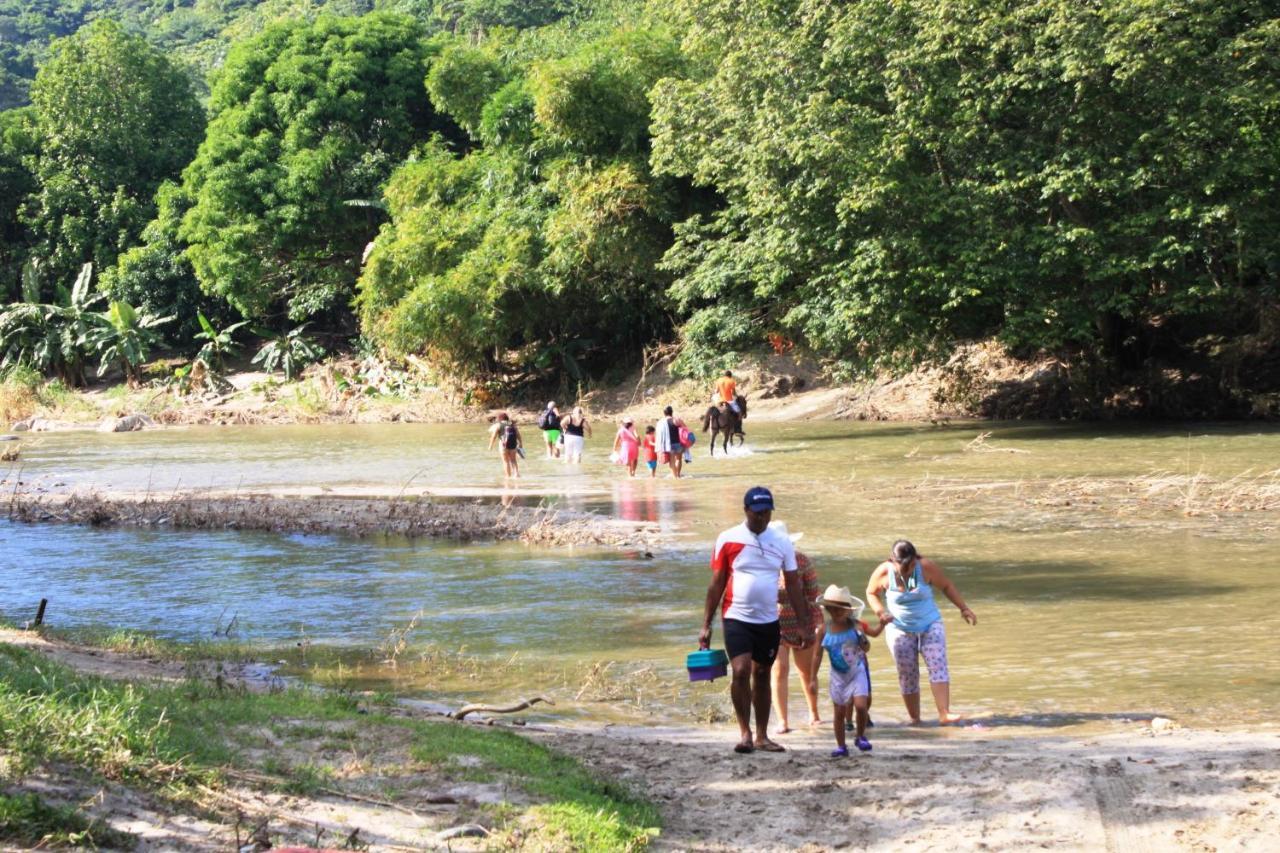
pixel 744 585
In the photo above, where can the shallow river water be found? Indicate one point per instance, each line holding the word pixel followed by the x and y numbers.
pixel 1090 606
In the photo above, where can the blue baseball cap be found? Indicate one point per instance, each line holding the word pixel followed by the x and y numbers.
pixel 758 498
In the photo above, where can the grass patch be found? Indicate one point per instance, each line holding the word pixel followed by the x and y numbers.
pixel 27 819
pixel 142 644
pixel 580 811
pixel 174 738
pixel 19 394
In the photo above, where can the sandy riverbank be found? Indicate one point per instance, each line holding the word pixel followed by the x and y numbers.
pixel 1121 789
pixel 1102 784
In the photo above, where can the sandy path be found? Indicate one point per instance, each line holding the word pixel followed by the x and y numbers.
pixel 1116 786
pixel 1126 790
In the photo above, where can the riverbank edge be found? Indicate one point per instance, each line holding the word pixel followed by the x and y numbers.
pixel 1137 784
pixel 981 381
pixel 112 780
pixel 407 515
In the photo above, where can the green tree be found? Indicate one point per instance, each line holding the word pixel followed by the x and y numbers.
pixel 155 275
pixel 114 118
pixel 533 256
pixel 305 117
pixel 462 80
pixel 17 145
pixel 898 176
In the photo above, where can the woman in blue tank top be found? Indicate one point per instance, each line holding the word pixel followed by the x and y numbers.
pixel 906 581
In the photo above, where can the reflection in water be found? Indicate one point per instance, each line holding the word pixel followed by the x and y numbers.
pixel 1083 611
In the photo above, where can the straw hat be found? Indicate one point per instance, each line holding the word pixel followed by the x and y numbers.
pixel 839 596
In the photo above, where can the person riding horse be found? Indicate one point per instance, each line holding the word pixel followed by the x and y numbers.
pixel 721 418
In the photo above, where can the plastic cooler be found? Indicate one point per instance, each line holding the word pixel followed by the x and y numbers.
pixel 707 664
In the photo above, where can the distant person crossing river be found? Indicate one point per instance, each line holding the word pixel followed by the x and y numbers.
pixel 728 411
pixel 506 435
pixel 549 423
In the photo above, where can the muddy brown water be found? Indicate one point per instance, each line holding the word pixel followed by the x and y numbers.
pixel 1090 608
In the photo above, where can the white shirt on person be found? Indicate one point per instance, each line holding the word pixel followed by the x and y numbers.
pixel 753 563
pixel 662 435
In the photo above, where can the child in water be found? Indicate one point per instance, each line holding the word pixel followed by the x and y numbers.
pixel 650 450
pixel 846 645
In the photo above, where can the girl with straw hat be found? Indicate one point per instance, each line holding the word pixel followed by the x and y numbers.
pixel 846 645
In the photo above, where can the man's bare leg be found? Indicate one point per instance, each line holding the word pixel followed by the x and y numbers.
pixel 740 692
pixel 761 695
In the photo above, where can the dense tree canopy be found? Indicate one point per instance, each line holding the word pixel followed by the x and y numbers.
pixel 113 119
pixel 542 245
pixel 549 186
pixel 308 120
pixel 900 175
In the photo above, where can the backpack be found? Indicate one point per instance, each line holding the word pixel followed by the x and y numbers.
pixel 510 436
pixel 544 419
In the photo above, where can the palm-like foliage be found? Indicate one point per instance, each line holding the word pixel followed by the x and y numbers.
pixel 125 338
pixel 52 338
pixel 218 343
pixel 289 352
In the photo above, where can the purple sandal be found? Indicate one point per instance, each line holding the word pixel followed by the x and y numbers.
pixel 840 752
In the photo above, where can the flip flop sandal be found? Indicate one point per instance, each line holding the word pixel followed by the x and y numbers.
pixel 770 746
pixel 743 748
pixel 840 752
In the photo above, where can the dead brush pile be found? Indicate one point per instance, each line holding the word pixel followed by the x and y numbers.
pixel 410 517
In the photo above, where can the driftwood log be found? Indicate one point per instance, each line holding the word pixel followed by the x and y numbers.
pixel 498 709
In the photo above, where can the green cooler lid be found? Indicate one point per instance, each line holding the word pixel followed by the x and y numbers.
pixel 706 657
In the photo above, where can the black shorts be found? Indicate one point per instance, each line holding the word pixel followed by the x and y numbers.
pixel 758 640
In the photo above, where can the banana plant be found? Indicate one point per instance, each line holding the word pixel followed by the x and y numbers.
pixel 52 338
pixel 290 352
pixel 125 338
pixel 218 343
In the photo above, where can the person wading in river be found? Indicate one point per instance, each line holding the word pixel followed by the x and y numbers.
pixel 506 434
pixel 744 585
pixel 914 624
pixel 668 442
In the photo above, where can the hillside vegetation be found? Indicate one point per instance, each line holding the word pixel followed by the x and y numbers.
pixel 534 192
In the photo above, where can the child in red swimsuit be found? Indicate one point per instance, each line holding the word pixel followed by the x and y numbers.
pixel 649 443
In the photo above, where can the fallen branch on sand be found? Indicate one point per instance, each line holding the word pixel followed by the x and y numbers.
pixel 498 709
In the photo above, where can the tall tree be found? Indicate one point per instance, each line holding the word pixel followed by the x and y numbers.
pixel 114 118
pixel 900 175
pixel 535 254
pixel 17 146
pixel 308 121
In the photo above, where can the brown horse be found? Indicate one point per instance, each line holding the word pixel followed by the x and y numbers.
pixel 721 419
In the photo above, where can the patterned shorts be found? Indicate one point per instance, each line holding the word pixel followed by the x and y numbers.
pixel 907 649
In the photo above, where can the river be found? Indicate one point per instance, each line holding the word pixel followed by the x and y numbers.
pixel 1154 592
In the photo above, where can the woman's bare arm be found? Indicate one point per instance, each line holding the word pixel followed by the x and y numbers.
pixel 875 586
pixel 934 575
